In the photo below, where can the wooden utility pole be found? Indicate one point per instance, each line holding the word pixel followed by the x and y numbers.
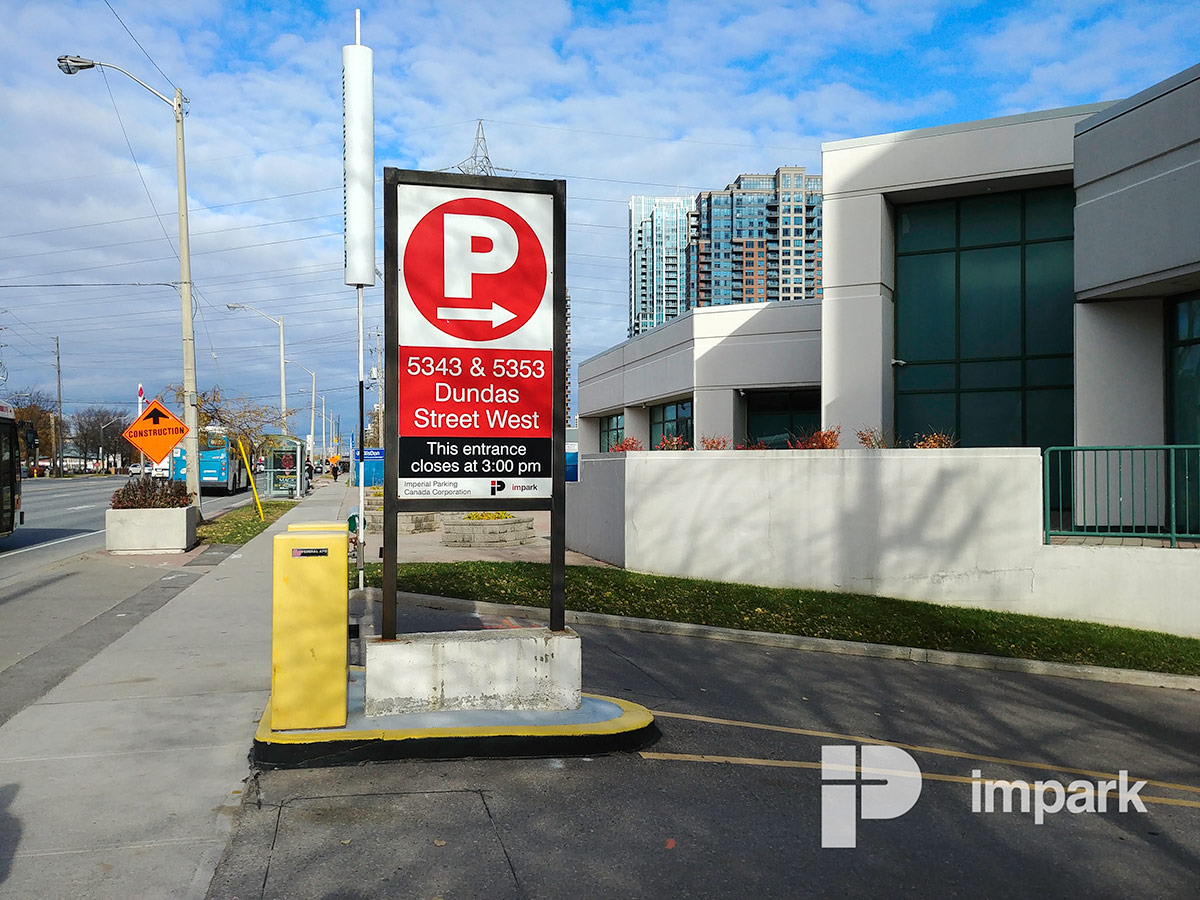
pixel 58 442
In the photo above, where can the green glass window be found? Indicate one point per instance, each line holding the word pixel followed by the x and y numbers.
pixel 671 420
pixel 612 432
pixel 1183 371
pixel 925 226
pixel 775 417
pixel 1183 407
pixel 927 332
pixel 990 219
pixel 1050 213
pixel 1050 297
pixel 989 296
pixel 918 414
pixel 984 306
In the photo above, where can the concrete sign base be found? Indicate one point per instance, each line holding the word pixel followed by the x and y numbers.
pixel 516 669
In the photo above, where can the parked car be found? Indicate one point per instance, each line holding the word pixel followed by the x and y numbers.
pixel 318 468
pixel 135 470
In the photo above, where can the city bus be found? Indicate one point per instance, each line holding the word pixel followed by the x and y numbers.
pixel 10 472
pixel 221 466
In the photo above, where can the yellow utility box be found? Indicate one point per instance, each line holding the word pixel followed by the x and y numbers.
pixel 318 526
pixel 309 630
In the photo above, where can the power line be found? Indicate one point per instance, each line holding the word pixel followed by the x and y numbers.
pixel 133 155
pixel 59 251
pixel 139 45
pixel 191 209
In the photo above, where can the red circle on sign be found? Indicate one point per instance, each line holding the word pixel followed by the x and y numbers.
pixel 495 276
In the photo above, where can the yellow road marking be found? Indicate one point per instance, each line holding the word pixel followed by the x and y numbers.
pixel 957 754
pixel 801 764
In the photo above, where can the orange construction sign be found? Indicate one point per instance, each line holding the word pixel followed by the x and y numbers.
pixel 156 431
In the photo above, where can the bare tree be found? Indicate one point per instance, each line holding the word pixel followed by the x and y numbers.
pixel 37 409
pixel 237 417
pixel 90 430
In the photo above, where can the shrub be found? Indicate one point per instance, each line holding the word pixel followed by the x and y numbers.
pixel 872 438
pixel 817 440
pixel 757 445
pixel 628 445
pixel 715 443
pixel 489 515
pixel 673 442
pixel 151 493
pixel 935 440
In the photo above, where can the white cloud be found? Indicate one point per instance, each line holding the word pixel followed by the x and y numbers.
pixel 666 98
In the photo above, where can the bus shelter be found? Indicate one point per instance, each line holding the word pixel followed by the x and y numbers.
pixel 284 478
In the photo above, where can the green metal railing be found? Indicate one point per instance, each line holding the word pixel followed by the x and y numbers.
pixel 1143 491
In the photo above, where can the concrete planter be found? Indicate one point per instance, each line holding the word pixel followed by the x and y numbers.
pixel 460 532
pixel 407 523
pixel 151 530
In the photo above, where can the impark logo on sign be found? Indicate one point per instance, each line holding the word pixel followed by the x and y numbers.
pixel 475 269
pixel 884 785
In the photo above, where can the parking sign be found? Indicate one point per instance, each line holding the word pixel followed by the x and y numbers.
pixel 475 310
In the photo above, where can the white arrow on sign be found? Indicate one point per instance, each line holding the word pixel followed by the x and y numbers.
pixel 496 314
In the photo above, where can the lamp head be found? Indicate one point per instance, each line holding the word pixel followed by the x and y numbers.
pixel 234 306
pixel 73 64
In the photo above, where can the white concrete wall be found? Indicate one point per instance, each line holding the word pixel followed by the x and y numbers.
pixel 717 413
pixel 589 435
pixel 1119 401
pixel 1119 373
pixel 637 424
pixel 596 508
pixel 961 527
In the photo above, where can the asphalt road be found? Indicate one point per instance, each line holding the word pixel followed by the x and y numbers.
pixel 728 802
pixel 65 517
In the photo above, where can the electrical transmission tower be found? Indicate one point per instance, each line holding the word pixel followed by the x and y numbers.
pixel 478 163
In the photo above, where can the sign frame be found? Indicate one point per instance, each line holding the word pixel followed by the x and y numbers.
pixel 393 503
pixel 163 413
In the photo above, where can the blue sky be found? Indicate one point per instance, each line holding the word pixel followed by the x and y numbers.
pixel 618 98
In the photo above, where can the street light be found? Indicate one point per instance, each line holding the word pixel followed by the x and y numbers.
pixel 102 427
pixel 324 448
pixel 282 380
pixel 312 418
pixel 72 65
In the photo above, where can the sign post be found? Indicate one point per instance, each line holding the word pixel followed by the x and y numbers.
pixel 475 361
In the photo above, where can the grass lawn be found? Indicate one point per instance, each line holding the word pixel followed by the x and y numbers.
pixel 239 525
pixel 851 617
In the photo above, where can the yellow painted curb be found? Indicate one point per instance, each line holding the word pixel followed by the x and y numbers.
pixel 633 718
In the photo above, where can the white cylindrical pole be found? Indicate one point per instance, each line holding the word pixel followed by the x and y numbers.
pixel 282 383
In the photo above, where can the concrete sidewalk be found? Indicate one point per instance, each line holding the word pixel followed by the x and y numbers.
pixel 123 780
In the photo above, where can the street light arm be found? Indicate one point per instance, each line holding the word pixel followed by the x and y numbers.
pixel 252 309
pixel 74 64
